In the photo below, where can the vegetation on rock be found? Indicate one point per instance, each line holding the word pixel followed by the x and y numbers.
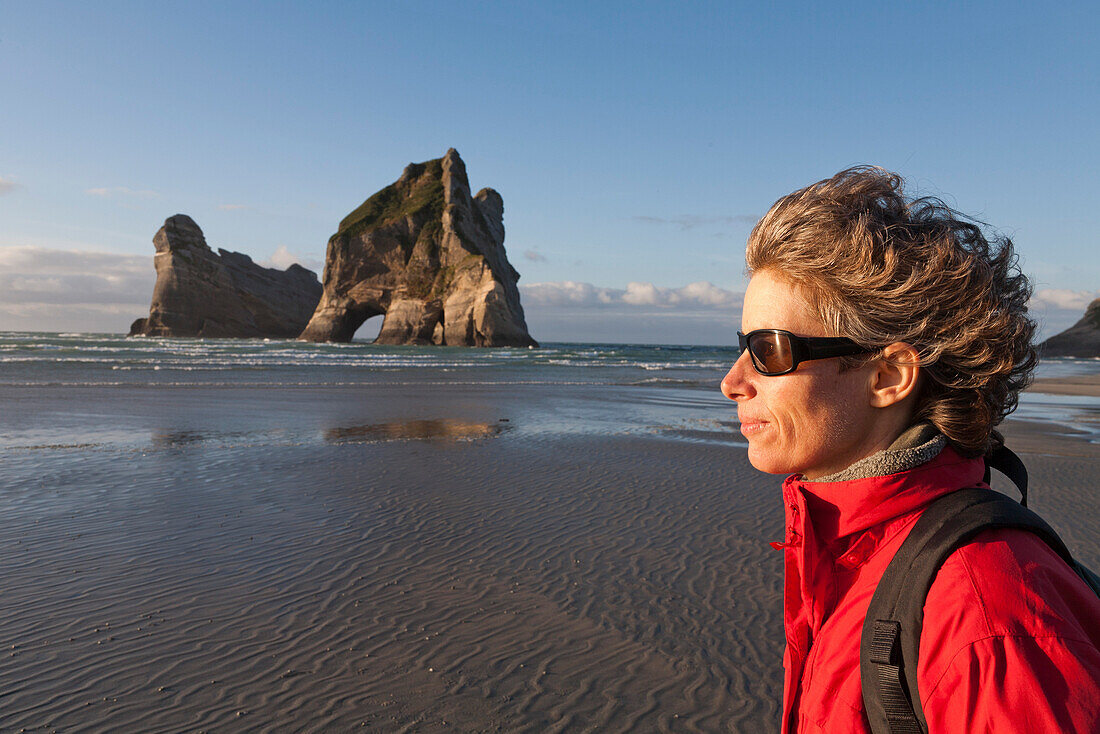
pixel 401 199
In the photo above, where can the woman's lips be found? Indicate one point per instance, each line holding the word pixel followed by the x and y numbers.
pixel 752 426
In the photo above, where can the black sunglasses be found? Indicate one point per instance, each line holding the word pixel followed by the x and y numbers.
pixel 777 352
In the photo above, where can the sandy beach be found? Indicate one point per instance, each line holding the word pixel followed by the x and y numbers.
pixel 409 585
pixel 1084 385
pixel 192 559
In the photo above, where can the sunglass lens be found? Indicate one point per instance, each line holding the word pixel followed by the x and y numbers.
pixel 771 352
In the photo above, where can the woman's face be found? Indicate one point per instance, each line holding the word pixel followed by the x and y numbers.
pixel 814 421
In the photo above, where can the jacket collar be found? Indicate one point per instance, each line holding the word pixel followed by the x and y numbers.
pixel 840 508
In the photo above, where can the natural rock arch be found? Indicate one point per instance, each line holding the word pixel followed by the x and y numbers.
pixel 429 258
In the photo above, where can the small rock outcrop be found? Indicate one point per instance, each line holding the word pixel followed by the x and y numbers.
pixel 430 258
pixel 1080 340
pixel 224 294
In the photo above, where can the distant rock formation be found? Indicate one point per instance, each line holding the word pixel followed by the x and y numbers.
pixel 1080 340
pixel 428 257
pixel 200 293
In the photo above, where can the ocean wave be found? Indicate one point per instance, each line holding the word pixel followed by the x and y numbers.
pixel 52 357
pixel 300 383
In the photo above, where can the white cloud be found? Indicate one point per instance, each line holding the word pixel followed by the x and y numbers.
pixel 39 284
pixel 567 293
pixel 46 289
pixel 697 313
pixel 1057 309
pixel 647 294
pixel 121 191
pixel 708 294
pixel 93 317
pixel 700 296
pixel 1062 298
pixel 7 185
pixel 283 258
pixel 534 256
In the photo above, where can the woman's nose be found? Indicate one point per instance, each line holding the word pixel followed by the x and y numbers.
pixel 736 385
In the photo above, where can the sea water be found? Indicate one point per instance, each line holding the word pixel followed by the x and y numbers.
pixel 107 390
pixel 102 390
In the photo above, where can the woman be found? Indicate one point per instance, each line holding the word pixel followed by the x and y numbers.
pixel 883 340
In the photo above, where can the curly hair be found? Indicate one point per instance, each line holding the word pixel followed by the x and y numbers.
pixel 882 268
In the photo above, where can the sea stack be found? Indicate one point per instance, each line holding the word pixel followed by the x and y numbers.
pixel 206 294
pixel 1080 340
pixel 428 257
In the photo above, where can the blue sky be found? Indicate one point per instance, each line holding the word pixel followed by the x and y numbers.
pixel 634 143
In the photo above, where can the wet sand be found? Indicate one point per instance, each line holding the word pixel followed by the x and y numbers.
pixel 452 572
pixel 1085 385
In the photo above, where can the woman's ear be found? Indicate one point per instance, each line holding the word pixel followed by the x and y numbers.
pixel 895 375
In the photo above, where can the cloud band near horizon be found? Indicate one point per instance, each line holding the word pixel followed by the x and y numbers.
pixel 45 289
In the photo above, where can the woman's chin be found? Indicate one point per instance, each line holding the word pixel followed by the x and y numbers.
pixel 769 463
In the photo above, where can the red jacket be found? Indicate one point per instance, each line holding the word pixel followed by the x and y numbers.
pixel 1011 638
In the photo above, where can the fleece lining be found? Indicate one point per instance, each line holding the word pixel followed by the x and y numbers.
pixel 918 444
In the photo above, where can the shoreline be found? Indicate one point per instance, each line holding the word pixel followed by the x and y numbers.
pixel 1057 416
pixel 1083 385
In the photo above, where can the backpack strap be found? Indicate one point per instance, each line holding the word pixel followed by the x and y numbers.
pixel 1008 463
pixel 890 640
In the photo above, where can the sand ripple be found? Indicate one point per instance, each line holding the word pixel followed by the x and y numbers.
pixel 490 585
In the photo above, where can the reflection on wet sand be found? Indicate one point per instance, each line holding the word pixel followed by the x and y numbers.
pixel 176 439
pixel 439 429
pixel 180 439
